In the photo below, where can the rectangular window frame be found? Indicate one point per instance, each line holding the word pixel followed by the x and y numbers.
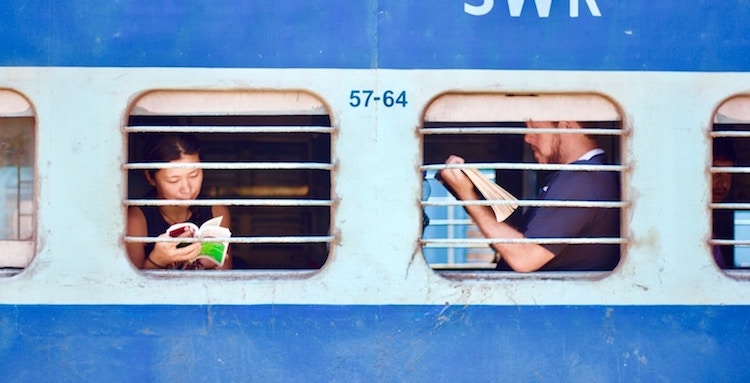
pixel 506 115
pixel 260 114
pixel 730 218
pixel 19 246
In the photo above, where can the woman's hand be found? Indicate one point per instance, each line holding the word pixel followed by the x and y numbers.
pixel 166 253
pixel 207 264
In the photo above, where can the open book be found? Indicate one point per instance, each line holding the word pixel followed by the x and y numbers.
pixel 492 191
pixel 216 252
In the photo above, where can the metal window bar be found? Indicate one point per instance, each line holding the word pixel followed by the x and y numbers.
pixel 229 202
pixel 730 205
pixel 524 202
pixel 449 221
pixel 252 240
pixel 744 242
pixel 506 130
pixel 527 166
pixel 228 129
pixel 231 165
pixel 729 169
pixel 482 242
pixel 730 133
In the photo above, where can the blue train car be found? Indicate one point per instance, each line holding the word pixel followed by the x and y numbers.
pixel 319 120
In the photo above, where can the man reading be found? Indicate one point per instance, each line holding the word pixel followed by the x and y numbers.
pixel 553 222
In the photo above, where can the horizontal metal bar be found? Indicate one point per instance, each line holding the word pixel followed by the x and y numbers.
pixel 744 242
pixel 540 203
pixel 230 165
pixel 450 222
pixel 730 206
pixel 228 129
pixel 228 202
pixel 508 130
pixel 472 242
pixel 730 133
pixel 279 239
pixel 484 245
pixel 525 166
pixel 730 169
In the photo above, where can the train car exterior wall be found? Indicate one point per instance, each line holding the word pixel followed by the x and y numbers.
pixel 375 311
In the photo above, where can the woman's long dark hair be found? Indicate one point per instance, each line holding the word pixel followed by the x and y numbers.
pixel 169 147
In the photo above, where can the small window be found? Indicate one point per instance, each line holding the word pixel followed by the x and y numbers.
pixel 17 127
pixel 730 184
pixel 488 132
pixel 265 155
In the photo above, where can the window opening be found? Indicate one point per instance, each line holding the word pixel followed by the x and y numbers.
pixel 17 208
pixel 730 185
pixel 265 155
pixel 487 131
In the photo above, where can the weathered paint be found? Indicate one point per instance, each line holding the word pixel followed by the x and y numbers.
pixel 375 311
pixel 363 267
pixel 288 343
pixel 637 35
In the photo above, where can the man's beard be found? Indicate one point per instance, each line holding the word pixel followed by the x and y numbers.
pixel 555 156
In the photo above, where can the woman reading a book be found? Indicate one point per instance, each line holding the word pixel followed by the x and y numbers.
pixel 178 183
pixel 553 222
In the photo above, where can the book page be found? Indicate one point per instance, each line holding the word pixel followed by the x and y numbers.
pixel 215 221
pixel 492 192
pixel 214 251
